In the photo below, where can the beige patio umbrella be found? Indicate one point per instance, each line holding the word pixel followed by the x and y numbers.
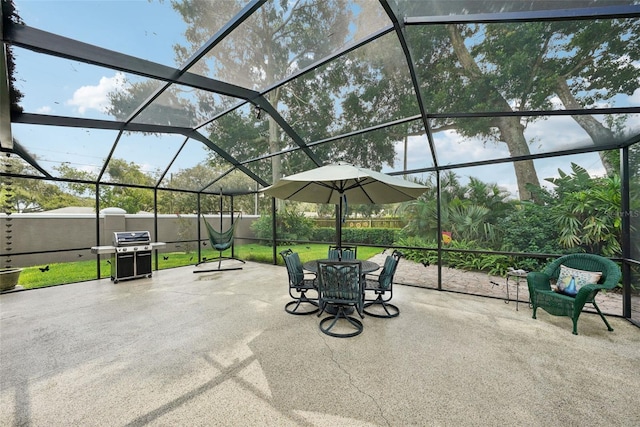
pixel 342 184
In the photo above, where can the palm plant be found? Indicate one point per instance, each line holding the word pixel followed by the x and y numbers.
pixel 420 215
pixel 470 212
pixel 470 222
pixel 586 211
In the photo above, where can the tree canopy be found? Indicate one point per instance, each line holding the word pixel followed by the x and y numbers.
pixel 478 68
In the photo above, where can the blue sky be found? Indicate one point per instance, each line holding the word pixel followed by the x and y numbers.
pixel 134 27
pixel 69 88
pixel 149 30
pixel 121 25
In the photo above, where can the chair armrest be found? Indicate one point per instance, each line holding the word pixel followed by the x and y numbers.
pixel 310 281
pixel 371 281
pixel 592 287
pixel 588 288
pixel 586 293
pixel 539 281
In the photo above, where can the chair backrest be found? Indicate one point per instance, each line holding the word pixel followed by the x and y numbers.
pixel 294 267
pixel 342 252
pixel 610 271
pixel 221 240
pixel 340 281
pixel 385 279
pixel 334 253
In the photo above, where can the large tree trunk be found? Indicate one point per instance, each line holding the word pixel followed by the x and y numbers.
pixel 274 98
pixel 511 130
pixel 598 133
pixel 276 161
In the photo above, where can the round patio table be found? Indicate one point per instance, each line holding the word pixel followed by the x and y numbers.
pixel 367 266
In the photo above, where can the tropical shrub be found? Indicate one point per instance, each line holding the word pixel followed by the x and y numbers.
pixel 289 224
pixel 370 236
pixel 530 228
pixel 586 211
pixel 457 257
pixel 424 256
pixel 470 212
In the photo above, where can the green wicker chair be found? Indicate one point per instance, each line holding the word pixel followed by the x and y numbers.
pixel 558 304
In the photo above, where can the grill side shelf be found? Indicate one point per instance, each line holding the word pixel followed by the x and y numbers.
pixel 99 250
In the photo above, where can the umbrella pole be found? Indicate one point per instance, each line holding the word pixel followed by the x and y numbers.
pixel 339 224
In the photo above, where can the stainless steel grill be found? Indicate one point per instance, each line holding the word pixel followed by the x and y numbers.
pixel 132 257
pixel 131 241
pixel 130 254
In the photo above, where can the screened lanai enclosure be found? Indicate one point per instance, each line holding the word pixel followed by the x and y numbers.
pixel 521 117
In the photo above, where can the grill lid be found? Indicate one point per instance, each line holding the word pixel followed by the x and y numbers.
pixel 131 238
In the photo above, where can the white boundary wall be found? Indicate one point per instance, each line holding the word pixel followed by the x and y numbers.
pixel 41 232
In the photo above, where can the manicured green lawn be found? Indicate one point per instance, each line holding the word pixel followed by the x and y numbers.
pixel 307 252
pixel 40 276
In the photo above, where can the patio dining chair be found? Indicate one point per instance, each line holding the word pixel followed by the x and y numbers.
pixel 299 284
pixel 342 252
pixel 340 287
pixel 382 287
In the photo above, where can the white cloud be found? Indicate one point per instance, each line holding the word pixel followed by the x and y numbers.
pixel 418 154
pixel 635 98
pixel 555 133
pixel 95 97
pixel 453 148
pixel 44 110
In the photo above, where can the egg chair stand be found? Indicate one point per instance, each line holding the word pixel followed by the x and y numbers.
pixel 220 241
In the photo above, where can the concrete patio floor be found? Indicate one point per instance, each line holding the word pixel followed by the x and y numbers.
pixel 218 349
